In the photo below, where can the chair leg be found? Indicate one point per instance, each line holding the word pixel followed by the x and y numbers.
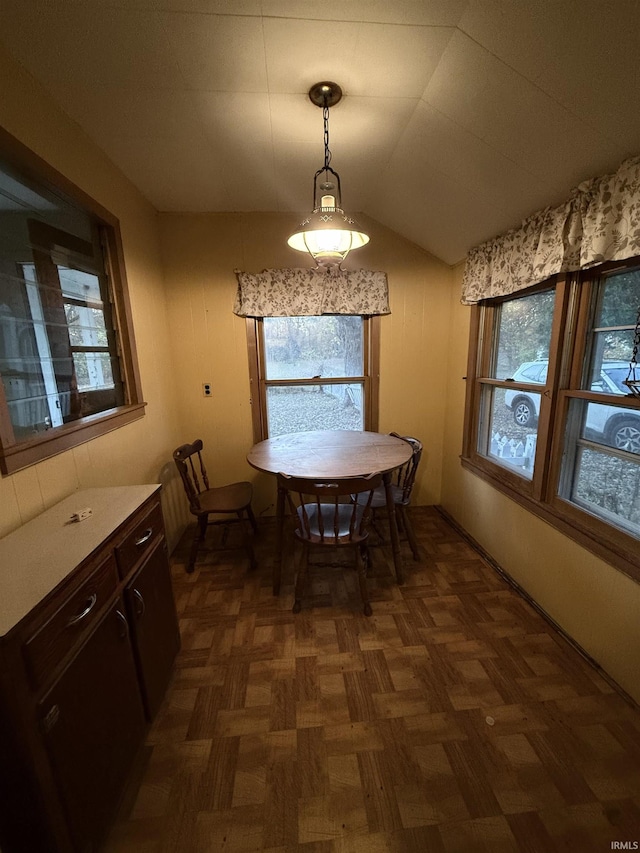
pixel 252 518
pixel 362 579
pixel 247 540
pixel 411 536
pixel 302 577
pixel 201 530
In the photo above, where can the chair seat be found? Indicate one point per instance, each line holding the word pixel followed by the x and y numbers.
pixel 344 518
pixel 231 498
pixel 380 497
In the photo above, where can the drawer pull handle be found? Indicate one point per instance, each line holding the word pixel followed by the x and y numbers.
pixel 51 718
pixel 140 600
pixel 91 601
pixel 124 625
pixel 145 536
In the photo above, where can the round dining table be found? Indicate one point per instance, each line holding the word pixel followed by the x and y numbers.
pixel 331 455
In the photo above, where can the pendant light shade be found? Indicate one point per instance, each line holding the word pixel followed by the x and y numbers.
pixel 328 233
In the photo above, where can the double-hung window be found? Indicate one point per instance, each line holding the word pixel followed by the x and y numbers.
pixel 549 419
pixel 67 361
pixel 313 372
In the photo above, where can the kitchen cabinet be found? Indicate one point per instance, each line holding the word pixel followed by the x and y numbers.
pixel 151 610
pixel 88 639
pixel 92 723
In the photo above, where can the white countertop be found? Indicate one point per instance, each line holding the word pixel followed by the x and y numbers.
pixel 37 556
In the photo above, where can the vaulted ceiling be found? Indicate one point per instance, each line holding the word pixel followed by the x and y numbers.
pixel 459 117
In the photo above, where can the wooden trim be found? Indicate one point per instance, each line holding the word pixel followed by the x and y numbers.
pixel 66 437
pixel 548 400
pixel 121 305
pixel 373 390
pixel 254 378
pixel 261 364
pixel 321 380
pixel 533 387
pixel 470 411
pixel 7 435
pixel 47 237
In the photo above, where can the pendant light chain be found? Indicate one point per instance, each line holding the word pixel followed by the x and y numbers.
pixel 636 340
pixel 633 381
pixel 327 152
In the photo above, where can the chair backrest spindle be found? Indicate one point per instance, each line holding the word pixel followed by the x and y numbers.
pixel 406 474
pixel 325 512
pixel 191 474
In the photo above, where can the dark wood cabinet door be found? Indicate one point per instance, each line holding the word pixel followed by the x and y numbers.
pixel 93 724
pixel 154 622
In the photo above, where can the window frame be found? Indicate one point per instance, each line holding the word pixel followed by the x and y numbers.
pixel 570 332
pixel 259 383
pixel 14 456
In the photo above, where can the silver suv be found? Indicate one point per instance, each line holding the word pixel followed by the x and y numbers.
pixel 614 426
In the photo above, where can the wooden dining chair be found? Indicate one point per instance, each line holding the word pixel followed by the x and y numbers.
pixel 401 488
pixel 326 516
pixel 232 499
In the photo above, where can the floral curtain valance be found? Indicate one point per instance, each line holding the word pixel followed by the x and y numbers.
pixel 298 292
pixel 599 222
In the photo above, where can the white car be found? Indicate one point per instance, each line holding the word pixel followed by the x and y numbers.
pixel 614 426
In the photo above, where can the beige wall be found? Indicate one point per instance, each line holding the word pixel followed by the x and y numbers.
pixel 200 254
pixel 139 452
pixel 595 603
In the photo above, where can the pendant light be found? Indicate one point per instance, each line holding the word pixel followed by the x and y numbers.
pixel 328 233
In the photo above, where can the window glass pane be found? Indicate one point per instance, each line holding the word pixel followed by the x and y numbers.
pixel 300 408
pixel 523 335
pixel 310 347
pixel 612 335
pixel 534 372
pixel 602 479
pixel 77 284
pixel 508 430
pixel 619 299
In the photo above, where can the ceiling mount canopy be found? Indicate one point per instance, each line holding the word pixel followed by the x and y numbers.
pixel 328 233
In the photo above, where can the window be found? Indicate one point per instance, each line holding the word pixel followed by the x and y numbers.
pixel 313 372
pixel 549 419
pixel 67 361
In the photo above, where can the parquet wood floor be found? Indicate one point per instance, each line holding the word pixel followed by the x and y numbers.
pixel 453 719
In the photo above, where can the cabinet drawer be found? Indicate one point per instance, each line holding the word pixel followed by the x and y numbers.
pixel 70 623
pixel 140 540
